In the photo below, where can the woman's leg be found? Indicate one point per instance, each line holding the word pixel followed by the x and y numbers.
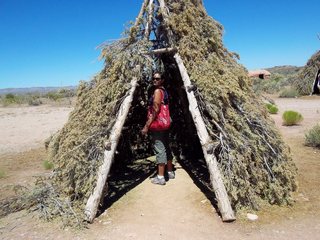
pixel 169 166
pixel 161 169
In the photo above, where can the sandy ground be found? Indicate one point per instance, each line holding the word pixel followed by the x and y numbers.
pixel 25 128
pixel 178 210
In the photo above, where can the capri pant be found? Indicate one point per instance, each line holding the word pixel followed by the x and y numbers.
pixel 160 142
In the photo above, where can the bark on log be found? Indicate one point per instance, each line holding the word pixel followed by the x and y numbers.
pixel 149 20
pixel 205 140
pixel 144 4
pixel 92 205
pixel 165 14
pixel 163 50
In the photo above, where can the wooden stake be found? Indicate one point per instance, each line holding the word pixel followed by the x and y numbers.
pixel 165 14
pixel 205 140
pixel 144 4
pixel 149 20
pixel 92 205
pixel 163 50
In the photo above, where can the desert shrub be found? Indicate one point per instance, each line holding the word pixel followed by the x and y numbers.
pixel 271 85
pixel 48 165
pixel 34 100
pixel 273 109
pixel 66 93
pixel 312 137
pixel 11 99
pixel 281 77
pixel 53 96
pixel 291 118
pixel 62 93
pixel 2 174
pixel 289 93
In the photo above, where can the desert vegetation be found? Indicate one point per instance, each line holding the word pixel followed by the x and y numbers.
pixel 37 98
pixel 2 173
pixel 312 137
pixel 47 165
pixel 289 92
pixel 281 78
pixel 272 108
pixel 290 118
pixel 289 81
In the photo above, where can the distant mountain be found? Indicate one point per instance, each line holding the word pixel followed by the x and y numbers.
pixel 284 70
pixel 41 90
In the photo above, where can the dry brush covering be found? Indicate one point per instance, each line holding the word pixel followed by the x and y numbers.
pixel 305 79
pixel 253 159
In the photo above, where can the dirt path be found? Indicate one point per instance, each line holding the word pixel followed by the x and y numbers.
pixel 180 210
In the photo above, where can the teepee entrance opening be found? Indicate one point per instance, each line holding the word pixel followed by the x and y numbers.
pixel 130 165
pixel 153 21
pixel 189 130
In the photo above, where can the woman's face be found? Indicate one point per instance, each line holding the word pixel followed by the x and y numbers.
pixel 157 80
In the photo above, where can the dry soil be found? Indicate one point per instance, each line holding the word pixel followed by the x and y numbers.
pixel 178 210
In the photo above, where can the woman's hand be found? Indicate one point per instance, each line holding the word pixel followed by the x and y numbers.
pixel 145 130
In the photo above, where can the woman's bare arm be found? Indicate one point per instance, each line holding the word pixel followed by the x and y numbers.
pixel 156 109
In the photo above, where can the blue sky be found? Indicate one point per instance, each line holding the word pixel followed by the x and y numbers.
pixel 53 42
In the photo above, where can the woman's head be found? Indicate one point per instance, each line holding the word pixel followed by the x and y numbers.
pixel 157 79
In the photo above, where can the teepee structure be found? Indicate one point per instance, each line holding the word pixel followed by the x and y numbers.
pixel 305 80
pixel 214 111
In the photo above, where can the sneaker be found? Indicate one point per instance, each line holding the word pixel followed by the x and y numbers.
pixel 160 181
pixel 171 175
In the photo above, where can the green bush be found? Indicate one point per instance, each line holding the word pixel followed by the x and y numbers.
pixel 312 137
pixel 61 93
pixel 273 109
pixel 47 165
pixel 67 93
pixel 289 93
pixel 53 96
pixel 11 99
pixel 270 85
pixel 291 118
pixel 34 100
pixel 2 174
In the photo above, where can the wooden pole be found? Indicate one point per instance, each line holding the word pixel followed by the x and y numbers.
pixel 205 140
pixel 92 205
pixel 165 15
pixel 144 4
pixel 163 50
pixel 149 20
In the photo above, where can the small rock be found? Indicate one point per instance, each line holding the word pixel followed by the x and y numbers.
pixel 203 201
pixel 252 217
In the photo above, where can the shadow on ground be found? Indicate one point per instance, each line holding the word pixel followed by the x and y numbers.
pixel 196 168
pixel 124 177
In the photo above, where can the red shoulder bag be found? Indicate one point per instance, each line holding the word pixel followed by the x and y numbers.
pixel 163 120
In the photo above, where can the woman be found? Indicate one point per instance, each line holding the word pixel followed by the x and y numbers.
pixel 158 124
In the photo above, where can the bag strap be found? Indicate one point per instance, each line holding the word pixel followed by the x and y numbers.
pixel 165 96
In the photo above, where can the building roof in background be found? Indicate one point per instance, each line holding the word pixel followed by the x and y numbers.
pixel 261 73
